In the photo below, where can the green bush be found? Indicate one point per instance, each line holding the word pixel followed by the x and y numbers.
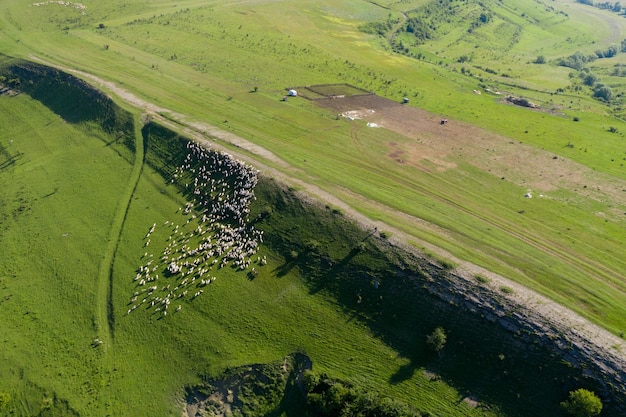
pixel 582 403
pixel 331 397
pixel 482 279
pixel 506 290
pixel 437 339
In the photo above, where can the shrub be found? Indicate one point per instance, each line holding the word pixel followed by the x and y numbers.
pixel 506 290
pixel 576 61
pixel 603 92
pixel 482 279
pixel 590 79
pixel 447 265
pixel 329 397
pixel 437 339
pixel 312 246
pixel 582 403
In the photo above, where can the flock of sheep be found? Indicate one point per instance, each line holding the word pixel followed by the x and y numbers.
pixel 214 233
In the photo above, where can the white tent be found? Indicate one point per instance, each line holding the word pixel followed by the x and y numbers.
pixel 293 93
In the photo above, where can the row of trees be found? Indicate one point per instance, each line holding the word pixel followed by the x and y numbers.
pixel 578 60
pixel 606 5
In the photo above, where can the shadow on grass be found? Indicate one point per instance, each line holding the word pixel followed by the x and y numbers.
pixel 396 297
pixel 285 268
pixel 404 373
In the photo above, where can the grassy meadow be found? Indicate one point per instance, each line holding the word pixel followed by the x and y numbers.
pixel 77 198
pixel 53 207
pixel 50 297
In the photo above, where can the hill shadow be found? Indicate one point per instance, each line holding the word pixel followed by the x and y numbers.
pixel 75 101
pixel 402 299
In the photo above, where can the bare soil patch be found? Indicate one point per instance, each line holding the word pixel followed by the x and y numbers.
pixel 445 146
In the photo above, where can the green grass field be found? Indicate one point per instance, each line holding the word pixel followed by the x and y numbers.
pixel 77 201
pixel 50 297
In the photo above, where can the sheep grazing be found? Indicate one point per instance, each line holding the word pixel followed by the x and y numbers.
pixel 216 221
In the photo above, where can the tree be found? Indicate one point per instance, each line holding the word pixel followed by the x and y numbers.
pixel 437 339
pixel 590 79
pixel 582 403
pixel 540 60
pixel 603 91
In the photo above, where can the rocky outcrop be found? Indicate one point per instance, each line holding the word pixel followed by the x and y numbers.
pixel 606 366
pixel 520 101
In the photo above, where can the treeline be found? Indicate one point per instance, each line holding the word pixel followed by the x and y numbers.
pixel 599 90
pixel 380 28
pixel 429 21
pixel 614 7
pixel 578 60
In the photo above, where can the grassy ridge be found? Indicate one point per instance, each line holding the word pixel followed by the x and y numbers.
pixel 147 53
pixel 151 360
pixel 207 335
pixel 377 344
pixel 326 255
pixel 556 246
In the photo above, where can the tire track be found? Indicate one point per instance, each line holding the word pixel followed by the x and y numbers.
pixel 105 310
pixel 106 315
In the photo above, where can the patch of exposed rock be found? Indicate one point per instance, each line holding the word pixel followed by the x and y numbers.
pixel 259 387
pixel 530 327
pixel 521 101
